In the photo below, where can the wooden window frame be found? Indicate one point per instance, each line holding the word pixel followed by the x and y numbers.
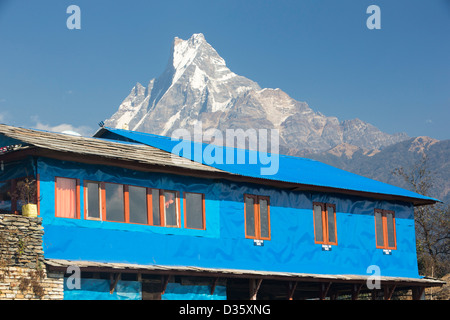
pixel 162 211
pixel 150 208
pixel 126 203
pixel 148 204
pixel 385 230
pixel 257 217
pixel 100 198
pixel 203 211
pixel 77 197
pixel 126 200
pixel 324 220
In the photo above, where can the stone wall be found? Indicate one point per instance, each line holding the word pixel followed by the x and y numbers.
pixel 22 270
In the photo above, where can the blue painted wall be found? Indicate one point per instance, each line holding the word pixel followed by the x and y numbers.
pixel 176 291
pixel 223 243
pixel 98 289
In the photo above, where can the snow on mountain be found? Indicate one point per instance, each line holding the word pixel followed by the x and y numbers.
pixel 197 86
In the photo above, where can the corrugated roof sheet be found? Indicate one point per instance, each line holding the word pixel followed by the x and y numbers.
pixel 291 169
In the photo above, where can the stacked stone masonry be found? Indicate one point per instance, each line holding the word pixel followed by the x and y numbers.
pixel 22 270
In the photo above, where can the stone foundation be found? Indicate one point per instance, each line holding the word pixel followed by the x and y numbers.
pixel 22 270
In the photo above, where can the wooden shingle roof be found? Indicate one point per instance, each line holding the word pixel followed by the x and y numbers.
pixel 84 146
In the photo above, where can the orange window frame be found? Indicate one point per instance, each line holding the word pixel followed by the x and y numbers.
pixel 126 203
pixel 162 211
pixel 203 211
pixel 100 198
pixel 385 234
pixel 77 197
pixel 149 202
pixel 150 208
pixel 324 220
pixel 257 217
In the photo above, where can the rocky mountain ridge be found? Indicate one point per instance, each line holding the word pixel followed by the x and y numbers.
pixel 380 164
pixel 198 86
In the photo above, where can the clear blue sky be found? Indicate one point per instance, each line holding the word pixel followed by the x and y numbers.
pixel 318 51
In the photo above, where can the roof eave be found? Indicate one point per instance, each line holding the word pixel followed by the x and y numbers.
pixel 100 159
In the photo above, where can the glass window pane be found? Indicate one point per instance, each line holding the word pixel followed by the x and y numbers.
pixel 66 197
pixel 156 208
pixel 249 217
pixel 170 209
pixel 390 229
pixel 318 228
pixel 379 228
pixel 331 225
pixel 264 217
pixel 194 210
pixel 5 196
pixel 114 202
pixel 138 204
pixel 93 200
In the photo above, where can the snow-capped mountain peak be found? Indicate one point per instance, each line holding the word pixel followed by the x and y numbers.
pixel 199 62
pixel 198 86
pixel 184 52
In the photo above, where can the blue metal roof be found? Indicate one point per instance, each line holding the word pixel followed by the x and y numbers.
pixel 290 169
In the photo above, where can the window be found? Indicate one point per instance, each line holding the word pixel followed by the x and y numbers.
pixel 93 200
pixel 385 229
pixel 114 202
pixel 170 208
pixel 5 196
pixel 137 200
pixel 257 217
pixel 14 194
pixel 155 208
pixel 163 208
pixel 133 204
pixel 66 198
pixel 194 210
pixel 325 223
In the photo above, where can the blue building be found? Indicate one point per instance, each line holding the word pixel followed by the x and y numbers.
pixel 141 221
